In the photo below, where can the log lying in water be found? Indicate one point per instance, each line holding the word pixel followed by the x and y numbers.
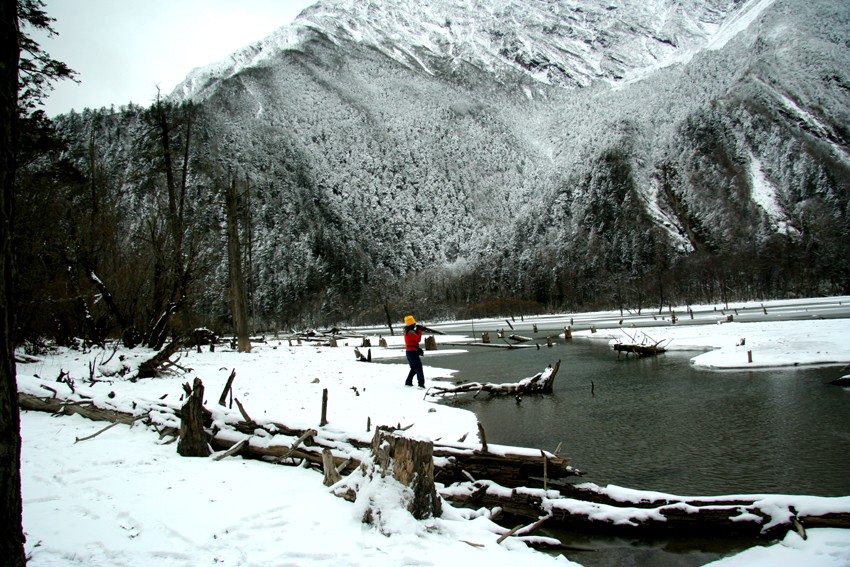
pixel 621 511
pixel 540 383
pixel 640 350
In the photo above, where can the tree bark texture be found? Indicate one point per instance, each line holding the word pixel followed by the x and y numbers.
pixel 11 508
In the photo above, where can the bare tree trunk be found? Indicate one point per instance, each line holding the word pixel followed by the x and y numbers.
pixel 238 300
pixel 11 507
pixel 389 319
pixel 249 245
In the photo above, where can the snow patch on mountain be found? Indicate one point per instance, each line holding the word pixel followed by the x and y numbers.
pixel 737 22
pixel 764 194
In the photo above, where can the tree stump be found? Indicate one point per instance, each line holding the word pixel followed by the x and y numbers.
pixel 485 337
pixel 332 476
pixel 193 438
pixel 430 343
pixel 412 464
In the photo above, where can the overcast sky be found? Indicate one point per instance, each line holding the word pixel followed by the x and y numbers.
pixel 123 49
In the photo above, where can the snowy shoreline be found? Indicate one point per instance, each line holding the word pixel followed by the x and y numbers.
pixel 123 498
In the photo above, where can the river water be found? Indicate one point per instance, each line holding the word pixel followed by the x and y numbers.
pixel 661 424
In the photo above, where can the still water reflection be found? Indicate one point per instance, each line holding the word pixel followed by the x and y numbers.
pixel 660 424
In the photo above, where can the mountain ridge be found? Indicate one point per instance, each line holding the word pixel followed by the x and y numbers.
pixel 556 43
pixel 397 172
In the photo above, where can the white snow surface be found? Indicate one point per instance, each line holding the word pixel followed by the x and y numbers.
pixel 125 498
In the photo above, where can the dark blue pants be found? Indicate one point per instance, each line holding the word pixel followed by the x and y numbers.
pixel 415 369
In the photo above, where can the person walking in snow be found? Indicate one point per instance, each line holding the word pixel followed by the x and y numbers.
pixel 412 336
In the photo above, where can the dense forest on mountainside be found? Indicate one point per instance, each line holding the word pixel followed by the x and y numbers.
pixel 370 183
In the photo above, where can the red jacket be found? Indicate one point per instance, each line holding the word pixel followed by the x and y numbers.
pixel 412 338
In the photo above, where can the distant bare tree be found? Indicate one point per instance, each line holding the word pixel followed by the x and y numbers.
pixel 238 299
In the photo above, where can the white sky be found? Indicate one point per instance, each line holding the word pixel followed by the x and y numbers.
pixel 123 49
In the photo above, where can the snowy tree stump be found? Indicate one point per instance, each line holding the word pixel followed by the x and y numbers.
pixel 193 438
pixel 485 337
pixel 430 343
pixel 412 464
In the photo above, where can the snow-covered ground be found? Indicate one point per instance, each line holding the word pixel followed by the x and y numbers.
pixel 124 498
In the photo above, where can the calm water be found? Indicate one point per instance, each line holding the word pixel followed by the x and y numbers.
pixel 660 424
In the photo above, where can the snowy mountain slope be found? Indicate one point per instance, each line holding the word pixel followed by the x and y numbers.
pixel 567 153
pixel 563 43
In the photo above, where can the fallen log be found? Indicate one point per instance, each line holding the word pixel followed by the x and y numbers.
pixel 510 466
pixel 160 362
pixel 647 346
pixel 506 345
pixel 540 383
pixel 59 406
pixel 843 381
pixel 644 513
pixel 639 350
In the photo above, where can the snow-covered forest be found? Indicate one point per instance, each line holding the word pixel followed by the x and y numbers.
pixel 611 157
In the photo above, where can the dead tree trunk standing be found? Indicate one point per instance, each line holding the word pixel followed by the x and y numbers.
pixel 412 464
pixel 193 438
pixel 389 319
pixel 323 421
pixel 249 248
pixel 227 389
pixel 238 300
pixel 332 475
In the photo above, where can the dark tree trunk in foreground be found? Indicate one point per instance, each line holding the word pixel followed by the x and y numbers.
pixel 11 525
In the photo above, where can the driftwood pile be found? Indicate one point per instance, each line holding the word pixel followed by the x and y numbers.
pixel 495 477
pixel 278 443
pixel 644 347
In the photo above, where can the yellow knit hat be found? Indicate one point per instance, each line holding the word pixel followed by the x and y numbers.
pixel 409 320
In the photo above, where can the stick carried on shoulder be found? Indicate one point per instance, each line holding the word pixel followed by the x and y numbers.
pixel 428 330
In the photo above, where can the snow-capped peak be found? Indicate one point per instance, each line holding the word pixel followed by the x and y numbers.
pixel 563 43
